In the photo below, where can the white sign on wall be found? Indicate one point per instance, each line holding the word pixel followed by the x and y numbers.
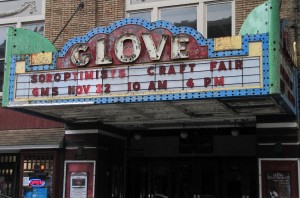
pixel 78 188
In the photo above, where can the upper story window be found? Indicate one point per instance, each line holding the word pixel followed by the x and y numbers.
pixel 8 173
pixel 19 13
pixel 144 1
pixel 3 29
pixel 211 18
pixel 34 26
pixel 219 19
pixel 180 16
pixel 145 14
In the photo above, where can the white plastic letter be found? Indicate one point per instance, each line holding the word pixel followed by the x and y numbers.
pixel 154 53
pixel 101 47
pixel 179 44
pixel 78 58
pixel 135 49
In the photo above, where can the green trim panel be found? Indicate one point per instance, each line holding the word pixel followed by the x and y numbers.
pixel 274 46
pixel 21 41
pixel 257 21
pixel 266 19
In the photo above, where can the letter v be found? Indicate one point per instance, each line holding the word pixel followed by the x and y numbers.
pixel 154 53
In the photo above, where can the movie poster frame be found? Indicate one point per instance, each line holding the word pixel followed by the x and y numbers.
pixel 73 162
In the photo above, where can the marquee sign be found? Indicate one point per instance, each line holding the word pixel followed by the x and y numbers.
pixel 204 75
pixel 137 58
pixel 133 60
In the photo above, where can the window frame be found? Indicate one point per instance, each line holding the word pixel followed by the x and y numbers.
pixel 3 59
pixel 154 8
pixel 232 14
pixel 9 166
pixel 23 24
pixel 139 11
pixel 181 6
pixel 36 154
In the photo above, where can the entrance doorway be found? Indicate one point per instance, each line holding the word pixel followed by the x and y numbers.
pixel 193 178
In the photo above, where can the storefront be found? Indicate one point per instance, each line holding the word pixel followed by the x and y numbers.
pixel 155 110
pixel 30 162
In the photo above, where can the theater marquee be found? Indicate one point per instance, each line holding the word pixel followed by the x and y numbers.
pixel 206 75
pixel 133 61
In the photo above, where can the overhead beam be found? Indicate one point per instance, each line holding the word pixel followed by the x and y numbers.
pixel 136 111
pixel 227 107
pixel 180 109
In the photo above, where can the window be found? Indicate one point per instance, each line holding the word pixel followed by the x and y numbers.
pixel 37 167
pixel 2 54
pixel 3 30
pixel 35 27
pixel 180 16
pixel 19 13
pixel 211 18
pixel 8 175
pixel 144 1
pixel 219 20
pixel 142 14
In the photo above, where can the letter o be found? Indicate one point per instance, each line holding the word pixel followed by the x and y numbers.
pixel 119 48
pixel 136 86
pixel 57 77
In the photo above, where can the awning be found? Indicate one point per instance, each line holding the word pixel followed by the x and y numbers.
pixel 31 139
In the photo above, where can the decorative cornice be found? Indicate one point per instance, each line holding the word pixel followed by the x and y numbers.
pixel 31 5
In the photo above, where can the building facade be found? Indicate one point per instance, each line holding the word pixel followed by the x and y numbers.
pixel 26 140
pixel 188 99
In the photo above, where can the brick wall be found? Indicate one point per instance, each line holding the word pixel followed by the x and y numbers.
pixel 243 8
pixel 95 13
pixel 104 12
pixel 289 10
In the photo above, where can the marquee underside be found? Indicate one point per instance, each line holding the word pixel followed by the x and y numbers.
pixel 189 114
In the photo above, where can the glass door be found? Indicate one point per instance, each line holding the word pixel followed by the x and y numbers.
pixel 193 178
pixel 174 179
pixel 239 178
pixel 196 179
pixel 152 181
pixel 37 175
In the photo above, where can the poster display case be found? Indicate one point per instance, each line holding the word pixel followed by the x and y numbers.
pixel 278 184
pixel 279 178
pixel 78 182
pixel 79 179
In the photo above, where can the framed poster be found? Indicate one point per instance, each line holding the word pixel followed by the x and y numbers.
pixel 79 179
pixel 278 184
pixel 279 178
pixel 78 185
